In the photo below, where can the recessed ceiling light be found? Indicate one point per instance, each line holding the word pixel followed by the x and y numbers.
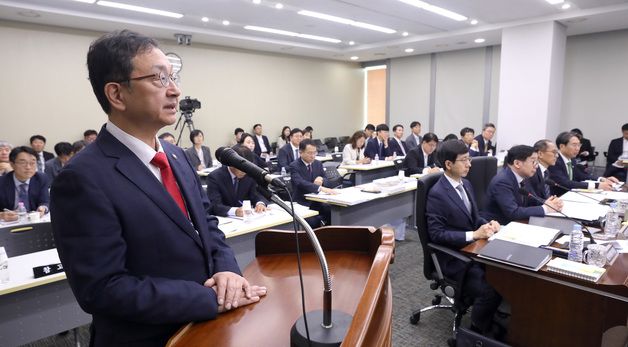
pixel 480 40
pixel 405 33
pixel 409 50
pixel 435 9
pixel 555 2
pixel 279 6
pixel 474 22
pixel 257 2
pixel 205 19
pixel 566 6
pixel 139 9
pixel 290 33
pixel 225 22
pixel 351 43
pixel 346 21
pixel 355 57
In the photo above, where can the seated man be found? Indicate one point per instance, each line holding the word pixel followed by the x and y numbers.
pixel 548 153
pixel 398 137
pixel 453 221
pixel 290 151
pixel 262 146
pixel 38 142
pixel 381 146
pixel 617 150
pixel 308 176
pixel 569 175
pixel 422 159
pixel 90 136
pixel 64 151
pixel 505 200
pixel 24 183
pixel 5 164
pixel 228 187
pixel 486 146
pixel 466 135
pixel 168 137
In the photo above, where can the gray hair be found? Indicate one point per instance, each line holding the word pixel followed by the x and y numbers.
pixel 5 144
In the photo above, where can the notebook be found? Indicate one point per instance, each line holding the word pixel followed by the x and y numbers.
pixel 574 269
pixel 527 257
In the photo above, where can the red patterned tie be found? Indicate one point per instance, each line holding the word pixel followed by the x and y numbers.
pixel 168 180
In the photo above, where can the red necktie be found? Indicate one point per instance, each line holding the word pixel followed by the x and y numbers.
pixel 168 180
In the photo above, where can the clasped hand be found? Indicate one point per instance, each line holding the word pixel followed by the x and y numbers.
pixel 233 290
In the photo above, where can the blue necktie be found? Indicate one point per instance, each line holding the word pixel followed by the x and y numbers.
pixel 296 154
pixel 381 151
pixel 235 186
pixel 22 195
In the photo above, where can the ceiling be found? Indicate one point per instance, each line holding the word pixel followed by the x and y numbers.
pixel 426 32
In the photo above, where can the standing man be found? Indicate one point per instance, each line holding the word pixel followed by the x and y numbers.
pixel 24 184
pixel 486 146
pixel 414 139
pixel 262 146
pixel 129 216
pixel 290 151
pixel 381 146
pixel 548 153
pixel 38 142
pixel 398 137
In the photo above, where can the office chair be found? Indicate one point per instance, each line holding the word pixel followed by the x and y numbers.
pixel 336 157
pixel 28 238
pixel 342 141
pixel 450 288
pixel 331 142
pixel 468 338
pixel 482 171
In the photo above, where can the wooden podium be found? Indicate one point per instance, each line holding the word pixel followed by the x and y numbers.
pixel 358 259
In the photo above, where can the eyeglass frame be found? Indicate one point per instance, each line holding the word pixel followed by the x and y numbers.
pixel 174 77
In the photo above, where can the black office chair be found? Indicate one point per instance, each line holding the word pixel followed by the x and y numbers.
pixel 482 171
pixel 450 288
pixel 331 142
pixel 24 239
pixel 468 338
pixel 342 141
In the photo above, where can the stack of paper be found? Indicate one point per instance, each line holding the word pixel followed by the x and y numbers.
pixel 582 211
pixel 526 234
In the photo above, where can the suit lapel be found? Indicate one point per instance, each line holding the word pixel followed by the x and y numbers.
pixel 455 198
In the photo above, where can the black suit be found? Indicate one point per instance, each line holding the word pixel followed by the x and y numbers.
pixel 504 202
pixel 615 150
pixel 222 195
pixel 37 191
pixel 483 147
pixel 303 183
pixel 415 160
pixel 558 173
pixel 285 157
pixel 537 184
pixel 585 146
pixel 373 148
pixel 258 150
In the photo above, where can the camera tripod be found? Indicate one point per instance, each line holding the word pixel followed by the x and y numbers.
pixel 187 121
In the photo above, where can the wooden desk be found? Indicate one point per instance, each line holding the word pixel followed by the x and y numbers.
pixel 366 173
pixel 550 309
pixel 358 259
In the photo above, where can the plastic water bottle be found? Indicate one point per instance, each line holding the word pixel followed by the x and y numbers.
pixel 4 266
pixel 335 149
pixel 376 159
pixel 613 224
pixel 247 211
pixel 576 244
pixel 283 172
pixel 22 214
pixel 285 176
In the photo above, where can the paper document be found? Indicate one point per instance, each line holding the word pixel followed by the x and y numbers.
pixel 582 211
pixel 586 198
pixel 526 234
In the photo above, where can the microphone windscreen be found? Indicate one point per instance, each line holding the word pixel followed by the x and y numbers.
pixel 219 153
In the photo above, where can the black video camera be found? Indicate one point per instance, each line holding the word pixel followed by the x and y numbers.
pixel 188 105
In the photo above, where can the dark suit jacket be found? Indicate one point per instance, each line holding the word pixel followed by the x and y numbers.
pixel 258 150
pixel 48 156
pixel 537 184
pixel 586 146
pixel 504 202
pixel 398 147
pixel 285 157
pixel 37 191
pixel 195 160
pixel 558 173
pixel 53 166
pixel 448 219
pixel 484 147
pixel 372 148
pixel 223 197
pixel 302 181
pixel 132 258
pixel 615 150
pixel 414 161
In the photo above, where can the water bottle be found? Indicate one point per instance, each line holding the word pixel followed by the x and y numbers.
pixel 376 159
pixel 576 244
pixel 22 214
pixel 247 212
pixel 285 176
pixel 612 224
pixel 335 149
pixel 4 266
pixel 283 172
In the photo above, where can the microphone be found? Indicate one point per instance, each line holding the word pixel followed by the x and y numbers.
pixel 229 157
pixel 552 183
pixel 585 230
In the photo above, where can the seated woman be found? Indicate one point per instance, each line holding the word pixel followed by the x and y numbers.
pixel 353 153
pixel 284 138
pixel 247 141
pixel 199 155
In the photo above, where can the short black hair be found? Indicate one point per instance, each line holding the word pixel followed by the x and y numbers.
pixel 450 150
pixel 306 142
pixel 488 125
pixel 21 149
pixel 624 127
pixel 295 130
pixel 90 132
pixel 429 137
pixel 541 145
pixel 244 152
pixel 450 137
pixel 37 137
pixel 370 127
pixel 256 125
pixel 519 152
pixel 64 148
pixel 77 146
pixel 164 135
pixel 194 133
pixel 415 123
pixel 577 131
pixel 564 137
pixel 466 130
pixel 238 130
pixel 109 59
pixel 397 126
pixel 308 129
pixel 382 127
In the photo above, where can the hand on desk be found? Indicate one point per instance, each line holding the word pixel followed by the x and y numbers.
pixel 486 231
pixel 329 191
pixel 364 160
pixel 233 290
pixel 259 208
pixel 553 204
pixel 8 216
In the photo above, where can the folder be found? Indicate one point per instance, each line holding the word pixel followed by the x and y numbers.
pixel 527 257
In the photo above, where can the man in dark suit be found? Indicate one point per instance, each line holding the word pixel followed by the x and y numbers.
pixel 381 145
pixel 618 148
pixel 64 151
pixel 199 155
pixel 586 150
pixel 414 139
pixel 24 184
pixel 129 216
pixel 38 142
pixel 453 221
pixel 290 151
pixel 547 154
pixel 262 145
pixel 485 140
pixel 398 137
pixel 567 174
pixel 228 187
pixel 422 159
pixel 307 176
pixel 505 203
pixel 467 136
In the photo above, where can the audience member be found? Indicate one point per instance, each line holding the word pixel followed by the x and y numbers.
pixel 414 139
pixel 369 130
pixel 247 140
pixel 38 142
pixel 453 221
pixel 168 137
pixel 78 146
pixel 485 140
pixel 308 132
pixel 64 151
pixel 353 153
pixel 398 137
pixel 89 136
pixel 262 146
pixel 467 136
pixel 381 146
pixel 5 164
pixel 422 159
pixel 505 200
pixel 586 151
pixel 199 155
pixel 228 187
pixel 617 151
pixel 290 151
pixel 237 135
pixel 450 137
pixel 24 184
pixel 283 139
pixel 547 153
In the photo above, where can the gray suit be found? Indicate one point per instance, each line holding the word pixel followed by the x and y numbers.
pixel 195 160
pixel 411 141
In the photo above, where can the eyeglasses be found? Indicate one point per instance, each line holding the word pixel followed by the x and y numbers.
pixel 32 163
pixel 465 160
pixel 161 76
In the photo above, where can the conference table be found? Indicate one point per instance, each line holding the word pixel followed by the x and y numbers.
pixel 365 173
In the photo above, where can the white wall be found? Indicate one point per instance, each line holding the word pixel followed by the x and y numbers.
pixel 46 90
pixel 410 91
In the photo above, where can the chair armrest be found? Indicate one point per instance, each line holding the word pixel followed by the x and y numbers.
pixel 449 252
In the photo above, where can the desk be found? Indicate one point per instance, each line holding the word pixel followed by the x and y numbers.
pixel 541 303
pixel 365 173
